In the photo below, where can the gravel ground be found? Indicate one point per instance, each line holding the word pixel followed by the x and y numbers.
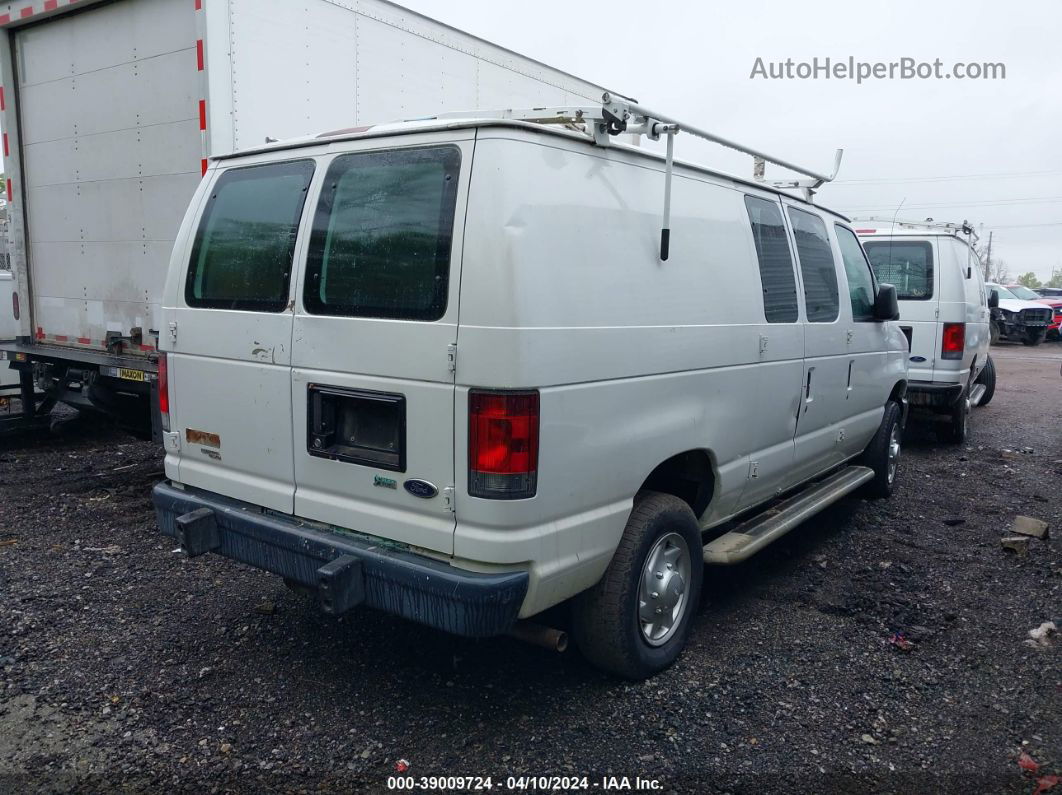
pixel 124 666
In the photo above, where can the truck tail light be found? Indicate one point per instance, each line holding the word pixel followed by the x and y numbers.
pixel 502 444
pixel 954 341
pixel 164 391
pixel 14 305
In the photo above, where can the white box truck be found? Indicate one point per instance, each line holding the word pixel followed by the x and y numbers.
pixel 111 110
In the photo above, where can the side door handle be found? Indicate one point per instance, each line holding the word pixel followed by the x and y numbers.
pixel 808 397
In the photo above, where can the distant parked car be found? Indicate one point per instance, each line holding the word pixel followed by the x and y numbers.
pixel 1049 292
pixel 1016 319
pixel 1026 294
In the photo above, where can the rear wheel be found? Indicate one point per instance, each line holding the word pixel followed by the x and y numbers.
pixel 993 333
pixel 958 424
pixel 883 453
pixel 987 378
pixel 635 621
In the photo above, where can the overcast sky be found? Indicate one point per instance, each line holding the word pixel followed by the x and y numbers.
pixel 989 151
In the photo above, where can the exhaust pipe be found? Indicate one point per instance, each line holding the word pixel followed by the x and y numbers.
pixel 538 635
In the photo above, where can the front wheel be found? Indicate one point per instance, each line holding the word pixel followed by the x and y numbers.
pixel 993 333
pixel 1034 338
pixel 635 621
pixel 883 453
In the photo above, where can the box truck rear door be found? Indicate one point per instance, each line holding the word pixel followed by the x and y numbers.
pixel 372 382
pixel 230 368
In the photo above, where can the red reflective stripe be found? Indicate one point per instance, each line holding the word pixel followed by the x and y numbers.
pixel 60 338
pixel 198 5
pixel 40 333
pixel 7 151
pixel 202 114
pixel 4 19
pixel 84 340
pixel 3 104
pixel 51 5
pixel 26 12
pixel 199 53
pixel 9 190
pixel 204 165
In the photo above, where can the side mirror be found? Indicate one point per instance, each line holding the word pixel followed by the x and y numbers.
pixel 993 299
pixel 886 306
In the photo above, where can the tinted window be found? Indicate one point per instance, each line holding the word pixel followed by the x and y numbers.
pixel 776 264
pixel 382 234
pixel 857 269
pixel 816 266
pixel 905 264
pixel 241 257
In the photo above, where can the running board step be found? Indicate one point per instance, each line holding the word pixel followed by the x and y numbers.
pixel 750 537
pixel 977 393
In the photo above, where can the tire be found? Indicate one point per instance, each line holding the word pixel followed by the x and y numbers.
pixel 1033 338
pixel 607 619
pixel 993 333
pixel 987 377
pixel 881 455
pixel 956 429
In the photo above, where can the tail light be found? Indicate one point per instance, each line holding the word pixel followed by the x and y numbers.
pixel 164 391
pixel 502 444
pixel 14 305
pixel 954 341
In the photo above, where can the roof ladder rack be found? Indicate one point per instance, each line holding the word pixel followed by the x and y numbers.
pixel 618 115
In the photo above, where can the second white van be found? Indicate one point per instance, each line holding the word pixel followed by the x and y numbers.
pixel 944 312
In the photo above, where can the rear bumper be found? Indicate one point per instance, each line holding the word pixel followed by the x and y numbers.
pixel 393 580
pixel 932 393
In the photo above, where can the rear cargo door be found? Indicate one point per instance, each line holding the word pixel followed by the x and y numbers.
pixel 231 362
pixel 910 265
pixel 372 386
pixel 109 129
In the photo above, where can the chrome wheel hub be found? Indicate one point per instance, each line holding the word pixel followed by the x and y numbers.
pixel 662 594
pixel 894 452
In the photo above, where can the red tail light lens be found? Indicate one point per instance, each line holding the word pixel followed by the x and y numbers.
pixel 14 305
pixel 502 444
pixel 164 391
pixel 954 341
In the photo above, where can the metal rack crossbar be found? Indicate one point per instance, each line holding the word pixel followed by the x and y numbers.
pixel 618 115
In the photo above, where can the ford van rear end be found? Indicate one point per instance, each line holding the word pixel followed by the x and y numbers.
pixel 311 318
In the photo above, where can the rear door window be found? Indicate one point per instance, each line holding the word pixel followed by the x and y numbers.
pixel 905 264
pixel 243 249
pixel 382 235
pixel 817 266
pixel 857 269
pixel 776 262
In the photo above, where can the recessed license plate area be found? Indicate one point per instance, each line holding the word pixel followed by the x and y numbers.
pixel 357 426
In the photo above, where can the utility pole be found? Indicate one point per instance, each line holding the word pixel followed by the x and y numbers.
pixel 988 260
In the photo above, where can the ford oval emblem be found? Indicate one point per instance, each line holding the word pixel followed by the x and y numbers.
pixel 420 488
pixel 918 358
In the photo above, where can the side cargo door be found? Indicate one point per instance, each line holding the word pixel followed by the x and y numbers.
pixel 230 364
pixel 826 364
pixel 372 387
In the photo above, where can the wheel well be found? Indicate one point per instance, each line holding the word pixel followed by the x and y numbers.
pixel 688 476
pixel 899 392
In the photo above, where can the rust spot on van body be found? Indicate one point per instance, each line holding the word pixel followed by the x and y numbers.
pixel 202 438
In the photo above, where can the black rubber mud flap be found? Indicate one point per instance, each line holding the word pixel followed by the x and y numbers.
pixel 197 532
pixel 340 585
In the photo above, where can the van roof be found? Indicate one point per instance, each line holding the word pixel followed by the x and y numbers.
pixel 433 124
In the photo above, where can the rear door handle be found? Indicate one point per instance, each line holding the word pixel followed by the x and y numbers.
pixel 807 390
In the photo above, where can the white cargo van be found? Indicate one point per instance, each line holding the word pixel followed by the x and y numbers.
pixel 439 368
pixel 944 312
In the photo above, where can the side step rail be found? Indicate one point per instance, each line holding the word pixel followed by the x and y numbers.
pixel 750 537
pixel 977 393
